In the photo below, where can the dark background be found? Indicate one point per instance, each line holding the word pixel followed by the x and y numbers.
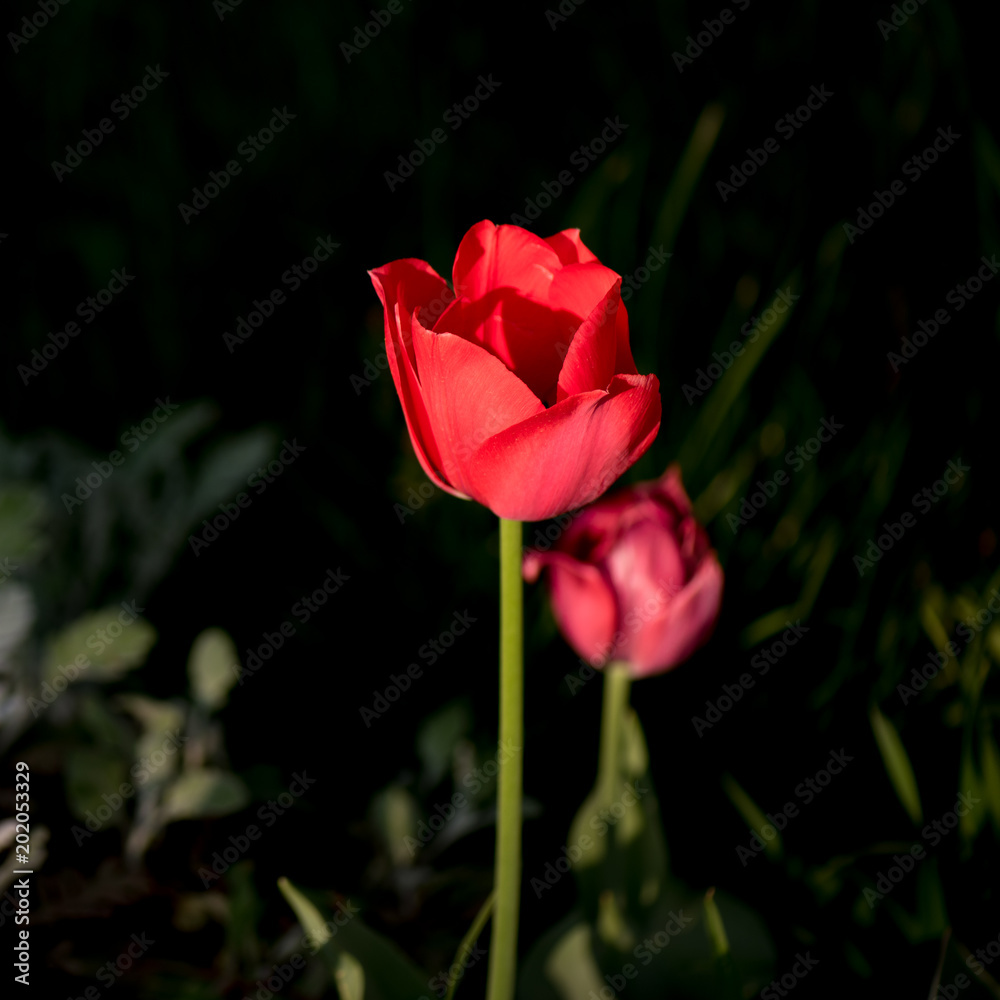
pixel 337 505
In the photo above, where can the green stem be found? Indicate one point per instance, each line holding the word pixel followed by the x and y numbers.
pixel 617 682
pixel 507 876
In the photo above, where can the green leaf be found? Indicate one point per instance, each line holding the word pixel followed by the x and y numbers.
pixel 23 511
pixel 102 646
pixel 311 919
pixel 91 774
pixel 437 737
pixel 388 973
pixel 210 668
pixel 571 968
pixel 715 929
pixel 897 764
pixel 204 792
pixel 621 850
pixel 752 814
pixel 350 977
pixel 969 782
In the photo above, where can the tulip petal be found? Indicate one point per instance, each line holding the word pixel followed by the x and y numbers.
pixel 470 396
pixel 645 568
pixel 686 623
pixel 529 337
pixel 568 455
pixel 491 257
pixel 570 247
pixel 583 603
pixel 417 281
pixel 590 361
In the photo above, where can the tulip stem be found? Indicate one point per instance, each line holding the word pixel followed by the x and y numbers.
pixel 507 872
pixel 617 683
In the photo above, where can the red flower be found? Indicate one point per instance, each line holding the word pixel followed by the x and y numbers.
pixel 633 578
pixel 520 392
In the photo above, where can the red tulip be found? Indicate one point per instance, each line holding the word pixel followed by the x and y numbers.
pixel 519 389
pixel 633 578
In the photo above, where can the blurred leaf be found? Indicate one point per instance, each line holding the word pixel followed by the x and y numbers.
pixel 752 814
pixel 715 929
pixel 17 615
pixel 350 977
pixel 23 511
pixel 969 783
pixel 94 777
pixel 627 853
pixel 210 668
pixel 437 737
pixel 388 972
pixel 897 764
pixel 113 641
pixel 224 470
pixel 244 910
pixel 394 813
pixel 157 718
pixel 308 916
pixel 204 793
pixel 931 621
pixel 571 968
